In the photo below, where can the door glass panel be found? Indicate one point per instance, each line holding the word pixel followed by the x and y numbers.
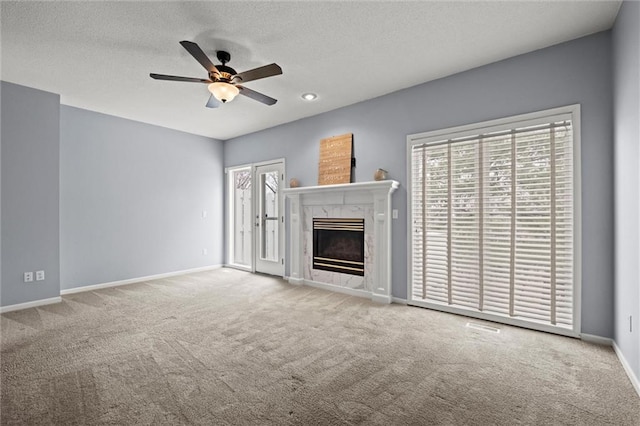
pixel 269 216
pixel 242 223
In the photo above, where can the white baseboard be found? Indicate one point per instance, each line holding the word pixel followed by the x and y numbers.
pixel 296 281
pixel 381 299
pixel 33 304
pixel 399 301
pixel 627 368
pixel 136 280
pixel 598 340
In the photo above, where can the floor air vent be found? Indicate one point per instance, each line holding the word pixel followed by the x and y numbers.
pixel 482 327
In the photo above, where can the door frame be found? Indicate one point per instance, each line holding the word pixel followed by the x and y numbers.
pixel 254 198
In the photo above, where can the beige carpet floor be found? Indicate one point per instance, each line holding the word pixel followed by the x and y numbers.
pixel 227 347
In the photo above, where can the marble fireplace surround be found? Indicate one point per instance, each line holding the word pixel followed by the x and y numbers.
pixel 368 200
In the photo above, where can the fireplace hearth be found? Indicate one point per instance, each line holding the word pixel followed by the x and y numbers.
pixel 338 245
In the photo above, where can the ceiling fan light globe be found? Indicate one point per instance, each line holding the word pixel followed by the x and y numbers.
pixel 224 92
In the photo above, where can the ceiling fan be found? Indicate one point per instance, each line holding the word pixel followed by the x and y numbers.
pixel 224 82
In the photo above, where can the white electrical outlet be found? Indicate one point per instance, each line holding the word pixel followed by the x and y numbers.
pixel 39 275
pixel 204 251
pixel 394 213
pixel 204 214
pixel 28 277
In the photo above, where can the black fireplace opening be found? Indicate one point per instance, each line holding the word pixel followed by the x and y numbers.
pixel 338 245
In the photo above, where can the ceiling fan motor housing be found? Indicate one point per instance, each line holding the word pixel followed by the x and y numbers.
pixel 224 73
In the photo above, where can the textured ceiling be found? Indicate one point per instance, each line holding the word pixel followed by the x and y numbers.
pixel 98 55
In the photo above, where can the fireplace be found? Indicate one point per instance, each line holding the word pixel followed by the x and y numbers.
pixel 368 200
pixel 338 245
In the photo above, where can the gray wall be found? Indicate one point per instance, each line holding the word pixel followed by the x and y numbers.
pixel 575 72
pixel 0 189
pixel 30 193
pixel 626 94
pixel 131 199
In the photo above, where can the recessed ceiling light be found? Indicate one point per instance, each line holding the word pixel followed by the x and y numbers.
pixel 309 96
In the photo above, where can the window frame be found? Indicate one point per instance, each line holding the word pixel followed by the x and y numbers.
pixel 523 120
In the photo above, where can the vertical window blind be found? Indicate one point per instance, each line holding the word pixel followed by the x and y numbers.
pixel 492 222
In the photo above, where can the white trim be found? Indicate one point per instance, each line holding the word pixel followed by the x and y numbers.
pixel 33 304
pixel 268 162
pixel 379 298
pixel 577 216
pixel 234 168
pixel 398 300
pixel 532 118
pixel 390 185
pixel 238 267
pixel 295 281
pixel 136 280
pixel 598 340
pixel 409 240
pixel 249 165
pixel 627 368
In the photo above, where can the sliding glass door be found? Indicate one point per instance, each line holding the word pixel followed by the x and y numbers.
pixel 494 217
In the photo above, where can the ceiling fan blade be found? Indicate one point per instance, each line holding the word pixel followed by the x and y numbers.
pixel 178 78
pixel 199 55
pixel 256 96
pixel 213 102
pixel 258 73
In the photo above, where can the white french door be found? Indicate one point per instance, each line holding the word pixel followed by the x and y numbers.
pixel 269 219
pixel 240 218
pixel 255 217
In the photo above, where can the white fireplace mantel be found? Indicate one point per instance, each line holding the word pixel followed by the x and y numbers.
pixel 370 200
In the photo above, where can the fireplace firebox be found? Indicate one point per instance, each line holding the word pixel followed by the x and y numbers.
pixel 338 245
